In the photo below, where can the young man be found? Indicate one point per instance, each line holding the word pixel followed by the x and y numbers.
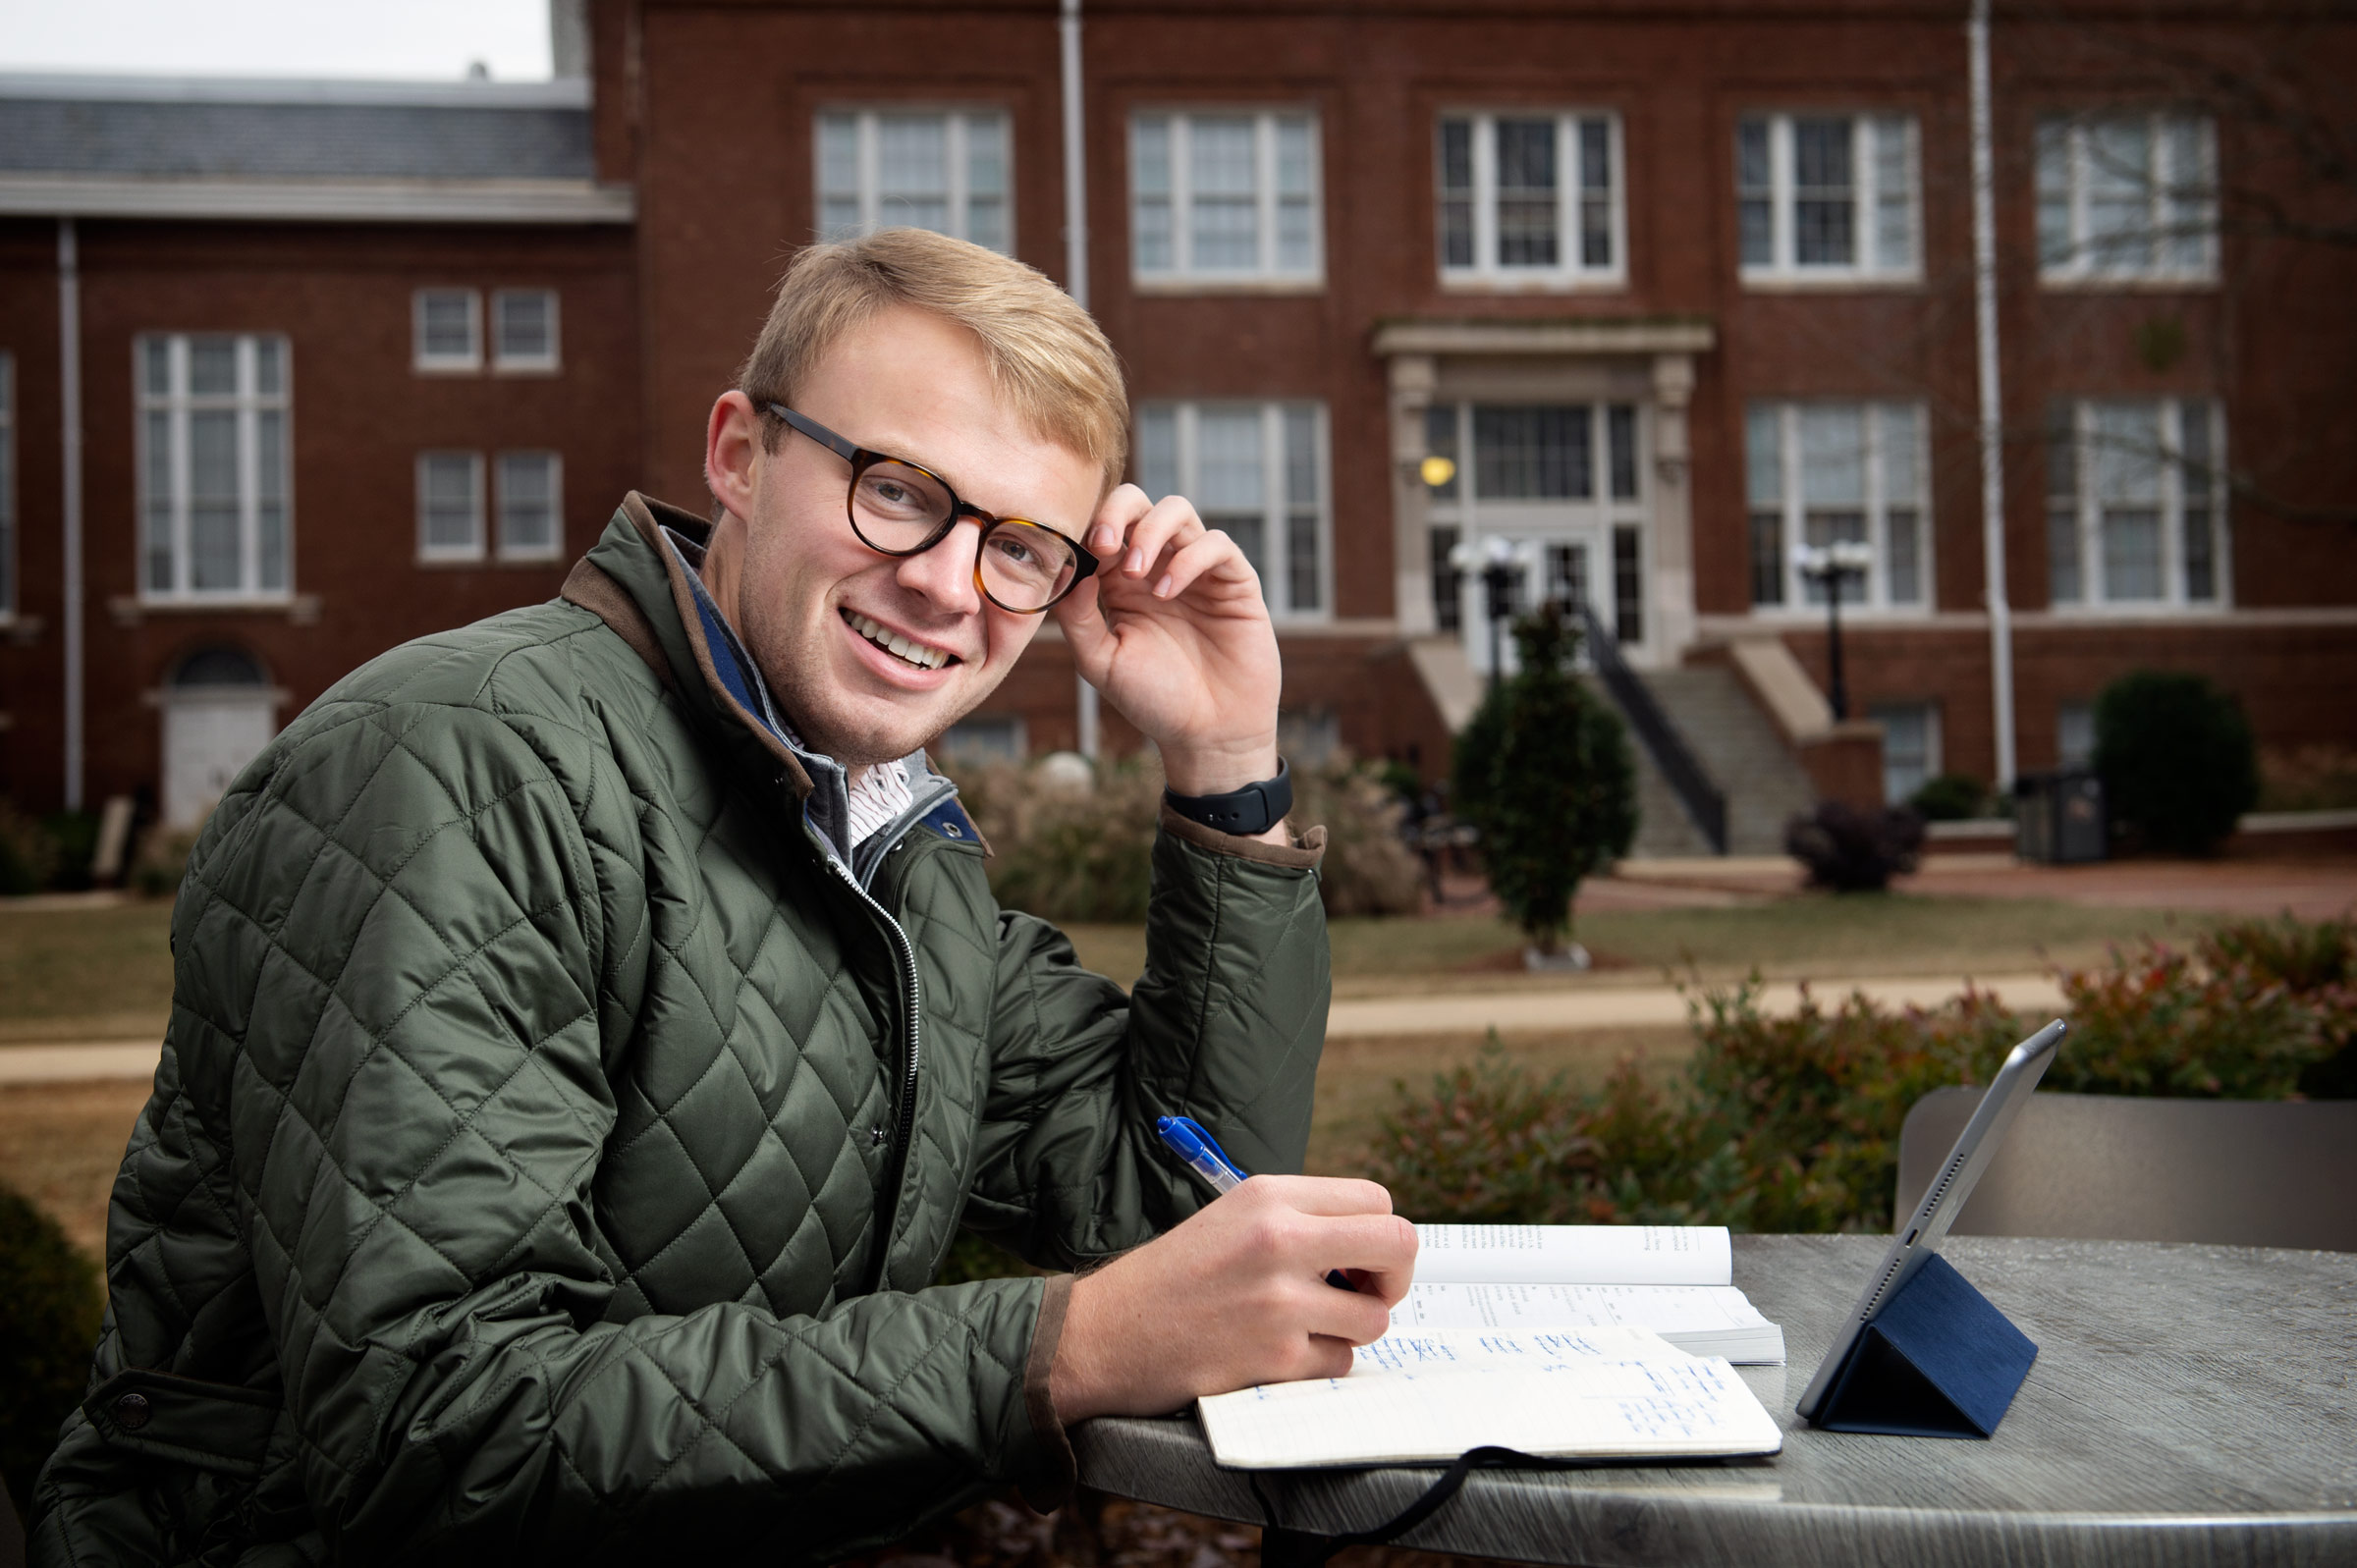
pixel 591 1026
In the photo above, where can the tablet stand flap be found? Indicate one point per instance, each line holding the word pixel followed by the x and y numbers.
pixel 1937 1361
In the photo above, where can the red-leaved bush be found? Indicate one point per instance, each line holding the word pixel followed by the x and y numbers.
pixel 1791 1124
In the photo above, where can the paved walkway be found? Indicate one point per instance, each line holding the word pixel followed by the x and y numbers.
pixel 1522 1010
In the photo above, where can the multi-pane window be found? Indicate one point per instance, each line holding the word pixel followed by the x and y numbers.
pixel 214 515
pixel 1827 197
pixel 949 172
pixel 2136 504
pixel 450 506
pixel 524 329
pixel 530 493
pixel 8 486
pixel 1910 747
pixel 1531 197
pixel 1225 196
pixel 1825 473
pixel 1257 470
pixel 1537 451
pixel 2127 197
pixel 447 330
pixel 524 520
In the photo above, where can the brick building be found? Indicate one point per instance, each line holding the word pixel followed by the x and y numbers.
pixel 1682 295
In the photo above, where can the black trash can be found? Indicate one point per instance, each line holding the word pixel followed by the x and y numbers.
pixel 2058 818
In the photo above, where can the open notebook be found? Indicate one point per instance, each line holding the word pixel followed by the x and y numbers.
pixel 1428 1397
pixel 1676 1280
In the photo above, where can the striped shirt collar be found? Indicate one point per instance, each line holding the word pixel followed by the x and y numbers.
pixel 848 814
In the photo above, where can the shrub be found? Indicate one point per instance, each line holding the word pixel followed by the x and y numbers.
pixel 1792 1124
pixel 162 861
pixel 28 854
pixel 1850 850
pixel 50 1303
pixel 1368 869
pixel 2308 778
pixel 1544 775
pixel 1065 853
pixel 1072 854
pixel 1950 798
pixel 2176 759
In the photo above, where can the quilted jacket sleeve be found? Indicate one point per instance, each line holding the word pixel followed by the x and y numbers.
pixel 397 965
pixel 1225 1026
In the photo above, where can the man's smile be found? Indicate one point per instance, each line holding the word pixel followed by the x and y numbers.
pixel 917 655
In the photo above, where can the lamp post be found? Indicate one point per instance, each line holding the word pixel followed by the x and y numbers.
pixel 1502 562
pixel 1828 564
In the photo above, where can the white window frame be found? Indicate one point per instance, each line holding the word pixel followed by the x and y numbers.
pixel 1784 269
pixel 958 123
pixel 1876 503
pixel 2178 484
pixel 1276 510
pixel 426 364
pixel 555 548
pixel 472 549
pixel 1569 271
pixel 8 488
pixel 2075 260
pixel 1183 275
pixel 502 363
pixel 249 404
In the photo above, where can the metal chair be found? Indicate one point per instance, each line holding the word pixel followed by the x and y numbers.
pixel 2241 1172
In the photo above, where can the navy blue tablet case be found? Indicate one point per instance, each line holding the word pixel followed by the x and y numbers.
pixel 1937 1361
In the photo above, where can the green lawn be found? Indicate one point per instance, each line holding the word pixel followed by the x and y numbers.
pixel 86 973
pixel 1799 938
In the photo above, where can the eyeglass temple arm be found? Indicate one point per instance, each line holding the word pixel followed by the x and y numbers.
pixel 817 432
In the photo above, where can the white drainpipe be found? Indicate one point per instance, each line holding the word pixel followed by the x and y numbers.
pixel 1075 262
pixel 69 384
pixel 1993 448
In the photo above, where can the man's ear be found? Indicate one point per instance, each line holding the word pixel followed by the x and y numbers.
pixel 733 453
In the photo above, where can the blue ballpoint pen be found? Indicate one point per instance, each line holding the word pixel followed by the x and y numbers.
pixel 1206 1159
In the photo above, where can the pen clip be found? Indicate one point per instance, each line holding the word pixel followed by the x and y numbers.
pixel 1211 1145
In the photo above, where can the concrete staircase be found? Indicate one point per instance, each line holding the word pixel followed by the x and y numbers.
pixel 1738 747
pixel 1664 830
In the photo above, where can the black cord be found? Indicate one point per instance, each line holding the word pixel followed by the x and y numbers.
pixel 1280 1547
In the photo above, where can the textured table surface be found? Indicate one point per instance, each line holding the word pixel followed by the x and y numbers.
pixel 2190 1405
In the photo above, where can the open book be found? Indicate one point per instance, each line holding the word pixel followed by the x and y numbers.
pixel 1418 1397
pixel 1674 1280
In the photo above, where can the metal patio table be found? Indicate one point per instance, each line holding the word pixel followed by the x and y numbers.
pixel 2190 1405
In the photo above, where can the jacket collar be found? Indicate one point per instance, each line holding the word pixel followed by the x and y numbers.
pixel 656 586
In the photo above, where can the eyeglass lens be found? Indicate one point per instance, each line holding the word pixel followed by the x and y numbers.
pixel 900 508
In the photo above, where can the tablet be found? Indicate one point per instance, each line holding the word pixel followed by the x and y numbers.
pixel 1917 1240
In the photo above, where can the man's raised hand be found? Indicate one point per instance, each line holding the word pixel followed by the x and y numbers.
pixel 1235 1296
pixel 1173 631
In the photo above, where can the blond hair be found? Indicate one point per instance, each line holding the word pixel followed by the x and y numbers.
pixel 1046 355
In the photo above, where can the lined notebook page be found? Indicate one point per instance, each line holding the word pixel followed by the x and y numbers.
pixel 1576 1407
pixel 1574 1255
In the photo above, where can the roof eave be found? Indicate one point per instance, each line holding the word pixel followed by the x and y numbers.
pixel 516 202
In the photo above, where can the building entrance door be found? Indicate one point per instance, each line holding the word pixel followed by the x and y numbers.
pixel 219 713
pixel 1559 486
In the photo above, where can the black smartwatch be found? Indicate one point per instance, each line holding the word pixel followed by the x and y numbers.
pixel 1253 809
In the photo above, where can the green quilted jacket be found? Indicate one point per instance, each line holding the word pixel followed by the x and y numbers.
pixel 553 1145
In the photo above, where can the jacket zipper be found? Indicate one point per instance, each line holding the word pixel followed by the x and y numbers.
pixel 905 1113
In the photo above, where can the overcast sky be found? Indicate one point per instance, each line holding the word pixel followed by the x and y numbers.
pixel 408 39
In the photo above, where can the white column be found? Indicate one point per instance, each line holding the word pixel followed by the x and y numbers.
pixel 1414 376
pixel 1673 509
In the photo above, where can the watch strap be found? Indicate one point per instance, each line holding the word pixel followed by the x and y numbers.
pixel 1253 809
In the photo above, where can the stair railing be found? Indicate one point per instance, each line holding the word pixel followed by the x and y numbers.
pixel 1703 800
